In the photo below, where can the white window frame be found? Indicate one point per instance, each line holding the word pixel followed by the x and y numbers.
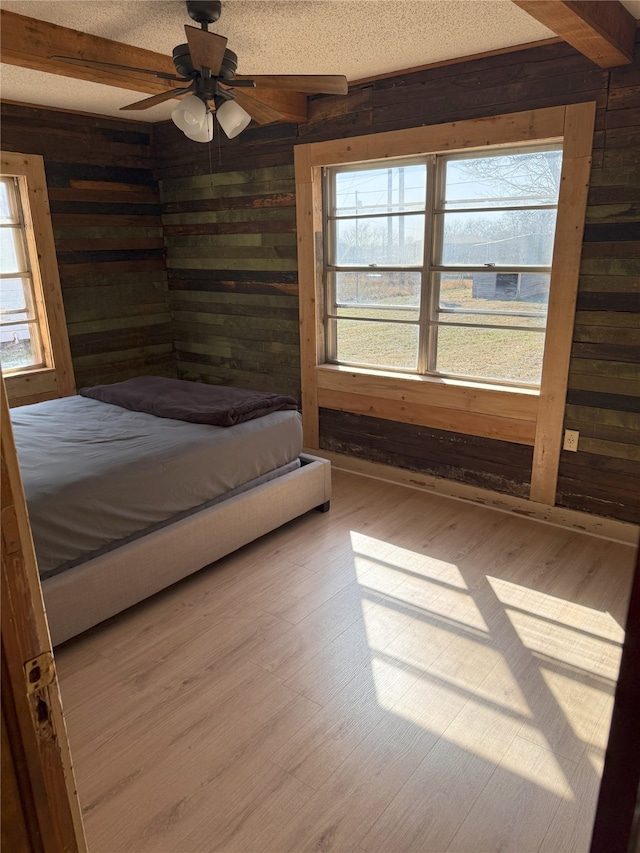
pixel 430 268
pixel 54 378
pixel 524 416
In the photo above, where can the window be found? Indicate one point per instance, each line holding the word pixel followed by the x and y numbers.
pixel 20 339
pixel 34 345
pixel 509 410
pixel 441 264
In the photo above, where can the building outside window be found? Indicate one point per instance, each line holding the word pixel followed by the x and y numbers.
pixel 440 264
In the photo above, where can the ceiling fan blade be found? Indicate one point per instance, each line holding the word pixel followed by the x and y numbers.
pixel 158 99
pixel 261 113
pixel 206 49
pixel 312 84
pixel 111 66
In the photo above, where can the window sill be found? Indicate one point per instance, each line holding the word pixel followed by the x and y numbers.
pixel 481 409
pixel 418 379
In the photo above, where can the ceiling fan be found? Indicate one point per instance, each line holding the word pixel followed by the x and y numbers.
pixel 208 69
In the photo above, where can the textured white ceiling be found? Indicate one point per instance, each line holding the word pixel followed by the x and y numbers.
pixel 358 38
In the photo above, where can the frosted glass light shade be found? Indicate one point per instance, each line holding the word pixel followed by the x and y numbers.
pixel 203 132
pixel 232 118
pixel 193 119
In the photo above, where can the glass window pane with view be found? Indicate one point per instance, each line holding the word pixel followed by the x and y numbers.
pixel 452 281
pixel 20 344
pixel 497 219
pixel 376 240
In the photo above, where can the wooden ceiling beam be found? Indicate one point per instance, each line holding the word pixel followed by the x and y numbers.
pixel 602 30
pixel 30 43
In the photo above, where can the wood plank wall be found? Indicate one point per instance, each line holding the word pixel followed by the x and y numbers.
pixel 604 395
pixel 603 400
pixel 105 211
pixel 501 466
pixel 231 266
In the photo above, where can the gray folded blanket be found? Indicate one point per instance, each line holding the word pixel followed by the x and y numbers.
pixel 195 402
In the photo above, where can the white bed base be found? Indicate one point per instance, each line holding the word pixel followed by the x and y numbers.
pixel 87 594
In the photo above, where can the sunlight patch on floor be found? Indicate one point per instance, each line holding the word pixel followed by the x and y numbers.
pixel 487 666
pixel 595 757
pixel 456 607
pixel 417 585
pixel 403 559
pixel 553 627
pixel 597 623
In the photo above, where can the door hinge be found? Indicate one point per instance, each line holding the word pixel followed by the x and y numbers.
pixel 39 672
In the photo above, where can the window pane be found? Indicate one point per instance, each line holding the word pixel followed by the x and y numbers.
pixel 505 238
pixel 378 344
pixel 382 190
pixel 8 208
pixel 14 294
pixel 13 317
pixel 490 354
pixel 12 256
pixel 503 180
pixel 19 346
pixel 516 293
pixel 382 241
pixel 376 289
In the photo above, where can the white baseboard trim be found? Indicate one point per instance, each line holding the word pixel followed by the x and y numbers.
pixel 606 528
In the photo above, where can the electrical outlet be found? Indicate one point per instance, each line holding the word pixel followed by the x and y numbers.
pixel 571 437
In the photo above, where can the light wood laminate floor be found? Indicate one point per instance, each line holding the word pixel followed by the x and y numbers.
pixel 405 673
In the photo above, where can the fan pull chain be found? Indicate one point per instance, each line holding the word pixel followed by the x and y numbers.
pixel 210 164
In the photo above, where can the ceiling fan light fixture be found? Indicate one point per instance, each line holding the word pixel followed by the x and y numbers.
pixel 232 118
pixel 194 119
pixel 202 132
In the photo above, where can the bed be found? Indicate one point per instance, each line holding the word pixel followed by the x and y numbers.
pixel 126 498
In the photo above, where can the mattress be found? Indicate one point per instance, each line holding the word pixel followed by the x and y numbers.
pixel 95 474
